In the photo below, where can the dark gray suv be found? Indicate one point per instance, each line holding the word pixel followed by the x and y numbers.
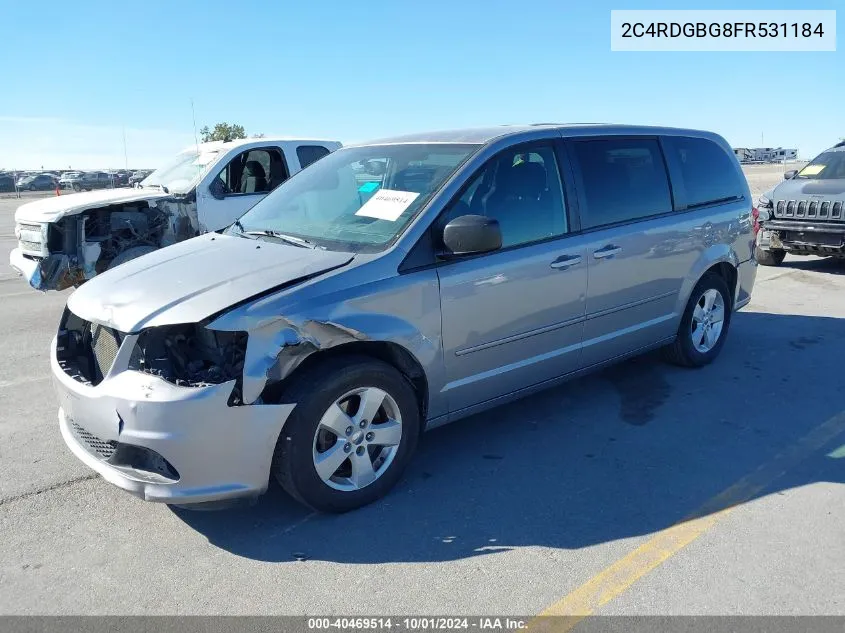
pixel 805 214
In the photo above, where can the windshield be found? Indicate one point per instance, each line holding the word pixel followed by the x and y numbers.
pixel 825 166
pixel 178 174
pixel 357 199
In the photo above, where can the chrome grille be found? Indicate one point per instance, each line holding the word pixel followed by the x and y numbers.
pixel 30 238
pixel 103 448
pixel 104 344
pixel 26 245
pixel 819 209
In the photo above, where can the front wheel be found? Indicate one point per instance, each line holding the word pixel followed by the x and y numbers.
pixel 353 431
pixel 769 258
pixel 704 324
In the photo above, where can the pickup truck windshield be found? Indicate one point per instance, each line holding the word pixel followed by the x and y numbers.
pixel 825 166
pixel 178 174
pixel 358 198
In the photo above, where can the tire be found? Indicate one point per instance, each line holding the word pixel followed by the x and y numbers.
pixel 129 254
pixel 685 351
pixel 32 187
pixel 769 258
pixel 315 391
pixel 76 188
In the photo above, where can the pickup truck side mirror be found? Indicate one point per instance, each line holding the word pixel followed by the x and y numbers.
pixel 789 175
pixel 217 189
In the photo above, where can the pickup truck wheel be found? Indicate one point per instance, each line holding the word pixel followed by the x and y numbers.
pixel 704 324
pixel 77 188
pixel 130 253
pixel 353 431
pixel 769 258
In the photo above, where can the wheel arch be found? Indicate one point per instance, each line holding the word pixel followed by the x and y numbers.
pixel 719 259
pixel 395 355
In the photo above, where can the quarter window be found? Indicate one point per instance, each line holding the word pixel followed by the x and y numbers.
pixel 709 174
pixel 622 180
pixel 307 154
pixel 521 189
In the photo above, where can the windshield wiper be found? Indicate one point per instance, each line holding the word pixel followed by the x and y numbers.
pixel 290 239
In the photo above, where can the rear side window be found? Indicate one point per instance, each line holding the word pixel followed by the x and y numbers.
pixel 709 173
pixel 622 180
pixel 307 154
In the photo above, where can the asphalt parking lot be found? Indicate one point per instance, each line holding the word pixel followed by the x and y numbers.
pixel 568 501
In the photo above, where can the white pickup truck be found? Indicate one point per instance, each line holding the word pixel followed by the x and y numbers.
pixel 65 240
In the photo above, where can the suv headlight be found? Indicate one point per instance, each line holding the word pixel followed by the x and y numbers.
pixel 190 355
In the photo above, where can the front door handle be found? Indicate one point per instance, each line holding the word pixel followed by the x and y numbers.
pixel 607 251
pixel 566 261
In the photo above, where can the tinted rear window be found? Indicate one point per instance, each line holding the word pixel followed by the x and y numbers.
pixel 307 154
pixel 709 173
pixel 623 180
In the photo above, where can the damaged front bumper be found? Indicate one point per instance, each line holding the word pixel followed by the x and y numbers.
pixel 803 238
pixel 30 269
pixel 53 272
pixel 163 442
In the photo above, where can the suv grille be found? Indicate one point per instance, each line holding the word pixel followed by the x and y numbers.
pixel 827 210
pixel 103 448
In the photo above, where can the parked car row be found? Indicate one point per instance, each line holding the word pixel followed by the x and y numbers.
pixel 75 180
pixel 314 326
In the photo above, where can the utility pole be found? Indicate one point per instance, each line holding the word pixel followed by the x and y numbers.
pixel 125 155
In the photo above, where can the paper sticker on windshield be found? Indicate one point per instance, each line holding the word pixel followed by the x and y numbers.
pixel 387 204
pixel 812 170
pixel 369 187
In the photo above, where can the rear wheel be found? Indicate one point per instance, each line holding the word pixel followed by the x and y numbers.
pixel 353 431
pixel 769 258
pixel 704 324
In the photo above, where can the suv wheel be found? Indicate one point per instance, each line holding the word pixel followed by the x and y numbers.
pixel 353 431
pixel 704 324
pixel 769 258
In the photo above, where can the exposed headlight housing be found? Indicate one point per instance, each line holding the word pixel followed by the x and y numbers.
pixel 190 355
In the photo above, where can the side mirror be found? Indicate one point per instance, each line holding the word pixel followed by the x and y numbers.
pixel 789 175
pixel 471 235
pixel 217 189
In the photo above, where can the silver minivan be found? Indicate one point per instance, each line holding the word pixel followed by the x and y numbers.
pixel 392 287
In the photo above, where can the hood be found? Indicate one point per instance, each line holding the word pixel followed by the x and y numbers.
pixel 54 208
pixel 194 279
pixel 801 189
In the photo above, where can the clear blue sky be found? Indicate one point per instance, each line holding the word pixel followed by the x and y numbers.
pixel 77 74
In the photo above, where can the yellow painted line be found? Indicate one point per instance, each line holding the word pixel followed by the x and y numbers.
pixel 618 577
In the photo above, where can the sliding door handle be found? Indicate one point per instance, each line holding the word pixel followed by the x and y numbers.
pixel 566 261
pixel 607 251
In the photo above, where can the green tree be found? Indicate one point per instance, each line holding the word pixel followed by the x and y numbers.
pixel 223 132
